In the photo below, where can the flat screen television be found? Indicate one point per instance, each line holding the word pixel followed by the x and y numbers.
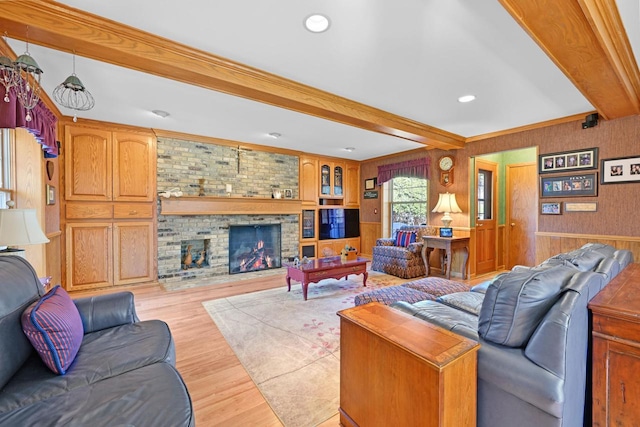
pixel 339 223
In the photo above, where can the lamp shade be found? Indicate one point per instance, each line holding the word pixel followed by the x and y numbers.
pixel 20 227
pixel 447 203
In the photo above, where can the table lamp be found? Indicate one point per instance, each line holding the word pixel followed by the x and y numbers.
pixel 447 204
pixel 19 227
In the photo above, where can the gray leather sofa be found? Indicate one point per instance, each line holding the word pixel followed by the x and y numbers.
pixel 122 375
pixel 533 327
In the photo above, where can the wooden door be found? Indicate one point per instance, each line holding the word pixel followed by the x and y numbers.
pixel 522 214
pixel 486 213
pixel 133 252
pixel 352 185
pixel 134 167
pixel 87 160
pixel 89 255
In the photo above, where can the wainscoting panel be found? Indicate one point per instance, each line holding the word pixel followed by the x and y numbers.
pixel 549 244
pixel 369 233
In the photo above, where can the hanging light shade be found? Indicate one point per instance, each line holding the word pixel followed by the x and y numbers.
pixel 8 75
pixel 72 94
pixel 28 85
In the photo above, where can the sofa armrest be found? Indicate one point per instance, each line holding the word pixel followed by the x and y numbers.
pixel 385 241
pixel 106 311
pixel 509 370
pixel 415 247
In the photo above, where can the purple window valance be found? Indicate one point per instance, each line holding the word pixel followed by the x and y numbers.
pixel 42 125
pixel 418 168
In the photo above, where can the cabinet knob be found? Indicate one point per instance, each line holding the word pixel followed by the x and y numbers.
pixel 133 212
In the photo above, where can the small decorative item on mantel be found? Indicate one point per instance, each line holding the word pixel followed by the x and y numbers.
pixel 348 254
pixel 201 192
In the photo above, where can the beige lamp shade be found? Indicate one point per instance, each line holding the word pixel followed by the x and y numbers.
pixel 20 227
pixel 447 204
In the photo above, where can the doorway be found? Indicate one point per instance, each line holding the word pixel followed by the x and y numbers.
pixel 522 200
pixel 486 173
pixel 513 200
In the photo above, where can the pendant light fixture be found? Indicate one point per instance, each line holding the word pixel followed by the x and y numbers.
pixel 8 73
pixel 72 94
pixel 28 83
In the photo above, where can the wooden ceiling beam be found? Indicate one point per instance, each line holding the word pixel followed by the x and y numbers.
pixel 587 41
pixel 61 27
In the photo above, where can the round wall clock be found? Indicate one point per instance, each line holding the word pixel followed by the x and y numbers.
pixel 445 163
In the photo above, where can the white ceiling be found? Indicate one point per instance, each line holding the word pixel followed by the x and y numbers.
pixel 412 58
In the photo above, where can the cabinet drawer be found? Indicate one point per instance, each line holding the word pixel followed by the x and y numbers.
pixel 89 211
pixel 133 210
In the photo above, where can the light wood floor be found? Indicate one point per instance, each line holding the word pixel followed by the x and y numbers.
pixel 222 392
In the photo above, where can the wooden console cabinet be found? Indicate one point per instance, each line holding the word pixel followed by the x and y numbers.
pixel 396 370
pixel 616 351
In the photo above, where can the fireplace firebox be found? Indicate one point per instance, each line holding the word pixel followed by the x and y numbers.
pixel 254 247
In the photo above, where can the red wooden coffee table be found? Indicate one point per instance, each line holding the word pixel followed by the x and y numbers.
pixel 324 268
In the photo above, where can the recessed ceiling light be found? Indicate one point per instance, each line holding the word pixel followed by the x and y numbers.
pixel 161 113
pixel 275 135
pixel 316 23
pixel 466 98
pixel 349 149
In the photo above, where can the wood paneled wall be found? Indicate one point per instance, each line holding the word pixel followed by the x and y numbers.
pixel 614 220
pixel 549 244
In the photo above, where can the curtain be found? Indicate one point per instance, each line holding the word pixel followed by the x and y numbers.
pixel 42 125
pixel 417 168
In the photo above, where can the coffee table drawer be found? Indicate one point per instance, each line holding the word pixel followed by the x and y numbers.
pixel 336 272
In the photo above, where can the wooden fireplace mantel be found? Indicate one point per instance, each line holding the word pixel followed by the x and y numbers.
pixel 229 206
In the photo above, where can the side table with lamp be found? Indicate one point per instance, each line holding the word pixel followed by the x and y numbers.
pixel 446 242
pixel 20 227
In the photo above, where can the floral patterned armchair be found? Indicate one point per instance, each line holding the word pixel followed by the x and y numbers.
pixel 405 262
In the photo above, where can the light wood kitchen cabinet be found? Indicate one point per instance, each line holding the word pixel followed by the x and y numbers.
pixel 133 252
pixel 309 179
pixel 352 185
pixel 110 186
pixel 331 179
pixel 109 166
pixel 101 254
pixel 89 255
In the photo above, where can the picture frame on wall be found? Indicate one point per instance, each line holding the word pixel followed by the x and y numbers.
pixel 620 170
pixel 567 161
pixel 575 185
pixel 370 184
pixel 551 208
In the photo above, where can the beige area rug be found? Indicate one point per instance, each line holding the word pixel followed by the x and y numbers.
pixel 291 347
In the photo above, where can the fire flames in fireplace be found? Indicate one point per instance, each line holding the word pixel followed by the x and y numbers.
pixel 254 248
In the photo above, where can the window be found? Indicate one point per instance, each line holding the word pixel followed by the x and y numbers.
pixel 485 180
pixel 407 202
pixel 6 167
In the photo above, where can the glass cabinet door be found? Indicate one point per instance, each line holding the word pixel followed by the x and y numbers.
pixel 337 181
pixel 325 180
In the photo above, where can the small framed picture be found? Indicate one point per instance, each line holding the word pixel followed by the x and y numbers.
pixel 551 208
pixel 620 170
pixel 370 184
pixel 51 195
pixel 288 194
pixel 568 161
pixel 578 185
pixel 580 207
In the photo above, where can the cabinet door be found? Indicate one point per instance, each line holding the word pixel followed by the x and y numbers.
pixel 134 167
pixel 87 164
pixel 352 185
pixel 338 180
pixel 325 179
pixel 89 255
pixel 133 252
pixel 308 179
